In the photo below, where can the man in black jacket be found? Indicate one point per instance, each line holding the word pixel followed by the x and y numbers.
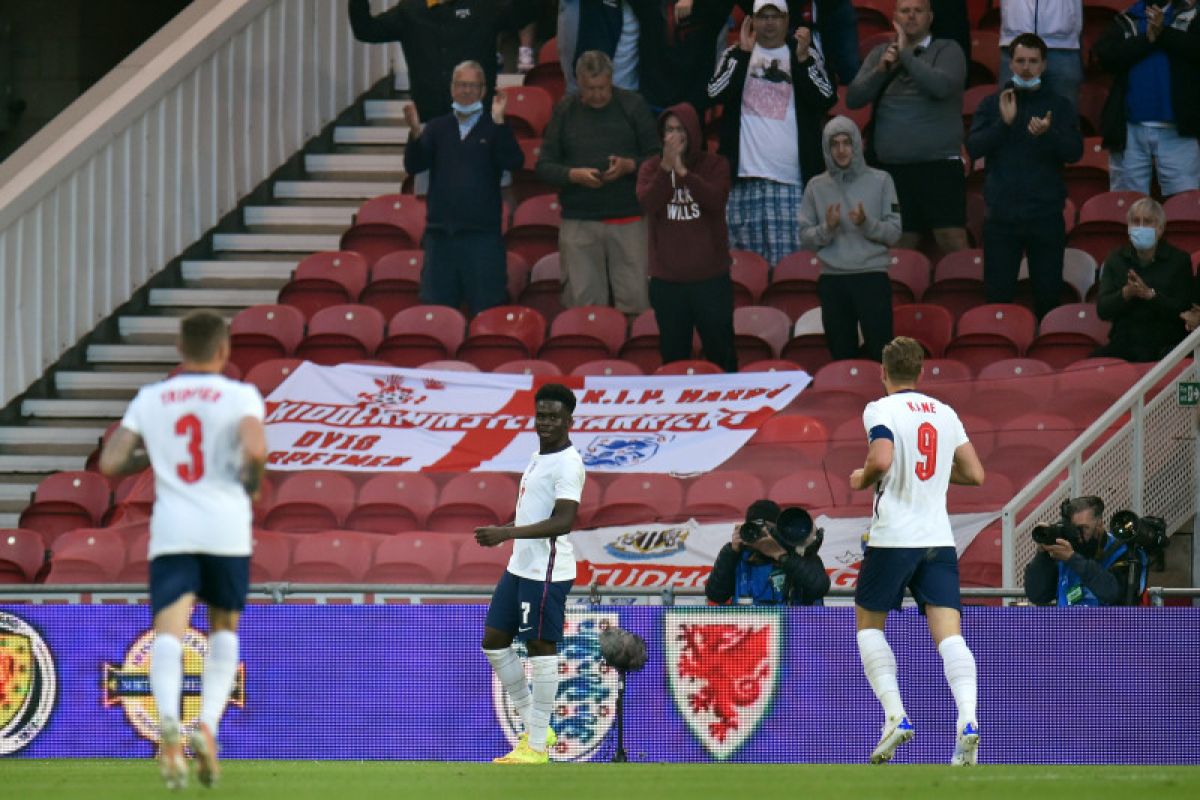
pixel 437 36
pixel 776 92
pixel 1151 119
pixel 1028 133
pixel 772 560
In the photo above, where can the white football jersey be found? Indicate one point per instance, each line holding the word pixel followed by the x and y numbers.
pixel 550 477
pixel 910 499
pixel 189 425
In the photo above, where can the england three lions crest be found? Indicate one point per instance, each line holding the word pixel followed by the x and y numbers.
pixel 723 668
pixel 622 452
pixel 587 691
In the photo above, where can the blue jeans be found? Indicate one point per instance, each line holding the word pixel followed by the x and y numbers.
pixel 1064 72
pixel 1147 147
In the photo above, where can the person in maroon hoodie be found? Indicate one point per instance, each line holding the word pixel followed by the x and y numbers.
pixel 683 194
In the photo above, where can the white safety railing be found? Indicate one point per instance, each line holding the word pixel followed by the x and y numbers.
pixel 156 153
pixel 1149 464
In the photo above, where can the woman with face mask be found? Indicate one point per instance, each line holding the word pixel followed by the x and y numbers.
pixel 1144 288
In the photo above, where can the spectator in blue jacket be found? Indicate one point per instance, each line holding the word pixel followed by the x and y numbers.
pixel 466 153
pixel 1027 132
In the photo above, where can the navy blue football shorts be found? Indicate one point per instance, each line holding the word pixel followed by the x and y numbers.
pixel 930 572
pixel 528 609
pixel 218 581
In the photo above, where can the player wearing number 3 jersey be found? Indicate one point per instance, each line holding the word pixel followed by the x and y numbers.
pixel 202 434
pixel 916 447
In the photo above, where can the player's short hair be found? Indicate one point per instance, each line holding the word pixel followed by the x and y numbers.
pixel 1030 41
pixel 1086 503
pixel 903 358
pixel 556 391
pixel 201 334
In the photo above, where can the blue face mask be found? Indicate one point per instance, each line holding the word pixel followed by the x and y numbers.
pixel 1026 83
pixel 474 108
pixel 1143 238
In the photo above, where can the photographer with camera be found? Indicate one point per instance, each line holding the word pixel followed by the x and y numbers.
pixel 1080 563
pixel 772 560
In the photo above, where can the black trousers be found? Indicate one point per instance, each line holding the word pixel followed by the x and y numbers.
pixel 1042 241
pixel 848 301
pixel 705 306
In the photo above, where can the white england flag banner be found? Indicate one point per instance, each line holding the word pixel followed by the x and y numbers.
pixel 366 418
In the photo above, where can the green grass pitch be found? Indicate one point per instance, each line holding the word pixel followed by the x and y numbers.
pixel 355 780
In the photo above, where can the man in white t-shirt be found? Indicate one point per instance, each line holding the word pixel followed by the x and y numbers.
pixel 917 447
pixel 775 93
pixel 531 598
pixel 203 436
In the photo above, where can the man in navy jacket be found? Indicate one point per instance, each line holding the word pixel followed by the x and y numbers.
pixel 466 153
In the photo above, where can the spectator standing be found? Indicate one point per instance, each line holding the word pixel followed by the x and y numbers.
pixel 683 193
pixel 915 85
pixel 952 21
pixel 1151 119
pixel 1027 132
pixel 775 92
pixel 593 146
pixel 850 216
pixel 466 153
pixel 1060 26
pixel 611 26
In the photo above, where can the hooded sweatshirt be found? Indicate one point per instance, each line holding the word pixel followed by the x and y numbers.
pixel 851 248
pixel 685 216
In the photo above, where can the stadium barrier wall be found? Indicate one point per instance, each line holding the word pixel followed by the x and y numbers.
pixel 156 153
pixel 1070 686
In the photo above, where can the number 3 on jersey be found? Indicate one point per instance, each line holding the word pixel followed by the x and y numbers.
pixel 927 437
pixel 189 426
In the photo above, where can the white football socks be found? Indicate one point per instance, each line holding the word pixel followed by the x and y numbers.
pixel 166 675
pixel 545 689
pixel 879 662
pixel 959 664
pixel 220 670
pixel 511 673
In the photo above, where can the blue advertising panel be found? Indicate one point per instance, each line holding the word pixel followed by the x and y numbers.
pixel 736 684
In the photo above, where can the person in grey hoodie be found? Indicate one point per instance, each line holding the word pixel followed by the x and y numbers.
pixel 850 215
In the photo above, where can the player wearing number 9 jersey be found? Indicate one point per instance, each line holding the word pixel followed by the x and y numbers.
pixel 916 447
pixel 202 434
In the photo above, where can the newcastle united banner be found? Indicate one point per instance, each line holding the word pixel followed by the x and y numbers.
pixel 367 418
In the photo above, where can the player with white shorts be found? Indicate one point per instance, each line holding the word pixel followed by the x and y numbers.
pixel 917 447
pixel 203 436
pixel 530 601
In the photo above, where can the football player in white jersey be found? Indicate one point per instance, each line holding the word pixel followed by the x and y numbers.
pixel 203 436
pixel 531 598
pixel 917 447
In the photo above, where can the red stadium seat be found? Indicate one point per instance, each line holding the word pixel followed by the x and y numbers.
pixel 722 494
pixel 450 365
pixel 806 488
pixel 65 501
pixel 605 367
pixel 869 42
pixel 548 52
pixel 393 502
pixel 332 557
pixel 958 282
pixel 474 564
pixel 689 367
pixel 759 332
pixel 909 273
pixel 833 406
pixel 642 346
pixel 534 232
pixel 544 291
pixel 314 500
pixel 859 116
pixel 874 17
pixel 1183 220
pixel 529 109
pixel 996 491
pixel 264 332
pixel 136 568
pixel 1014 368
pixel 1102 224
pixel 517 269
pixel 938 371
pixel 807 346
pixel 931 325
pixel 134 498
pixel 770 365
pixel 529 366
pixel 266 375
pixel 548 76
pixel 325 279
pixel 633 499
pixel 525 182
pixel 583 333
pixel 423 333
pixel 860 376
pixel 395 282
pixel 86 555
pixel 22 554
pixel 985 58
pixel 342 333
pixel 419 557
pixel 1069 333
pixel 1088 176
pixel 1043 430
pixel 473 499
pixel 272 556
pixel 793 287
pixel 1091 102
pixel 750 273
pixel 991 332
pixel 501 334
pixel 385 224
pixel 807 436
pixel 973 96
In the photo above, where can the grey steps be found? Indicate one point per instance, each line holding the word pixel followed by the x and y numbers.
pixel 370 138
pixel 47 440
pixel 353 193
pixel 109 385
pixel 132 354
pixel 237 274
pixel 41 464
pixel 9 520
pixel 310 219
pixel 289 243
pixel 212 298
pixel 352 166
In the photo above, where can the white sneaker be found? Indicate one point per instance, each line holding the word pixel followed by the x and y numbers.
pixel 966 749
pixel 172 765
pixel 895 733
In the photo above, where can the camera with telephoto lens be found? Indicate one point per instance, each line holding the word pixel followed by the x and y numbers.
pixel 753 530
pixel 1063 529
pixel 1145 533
